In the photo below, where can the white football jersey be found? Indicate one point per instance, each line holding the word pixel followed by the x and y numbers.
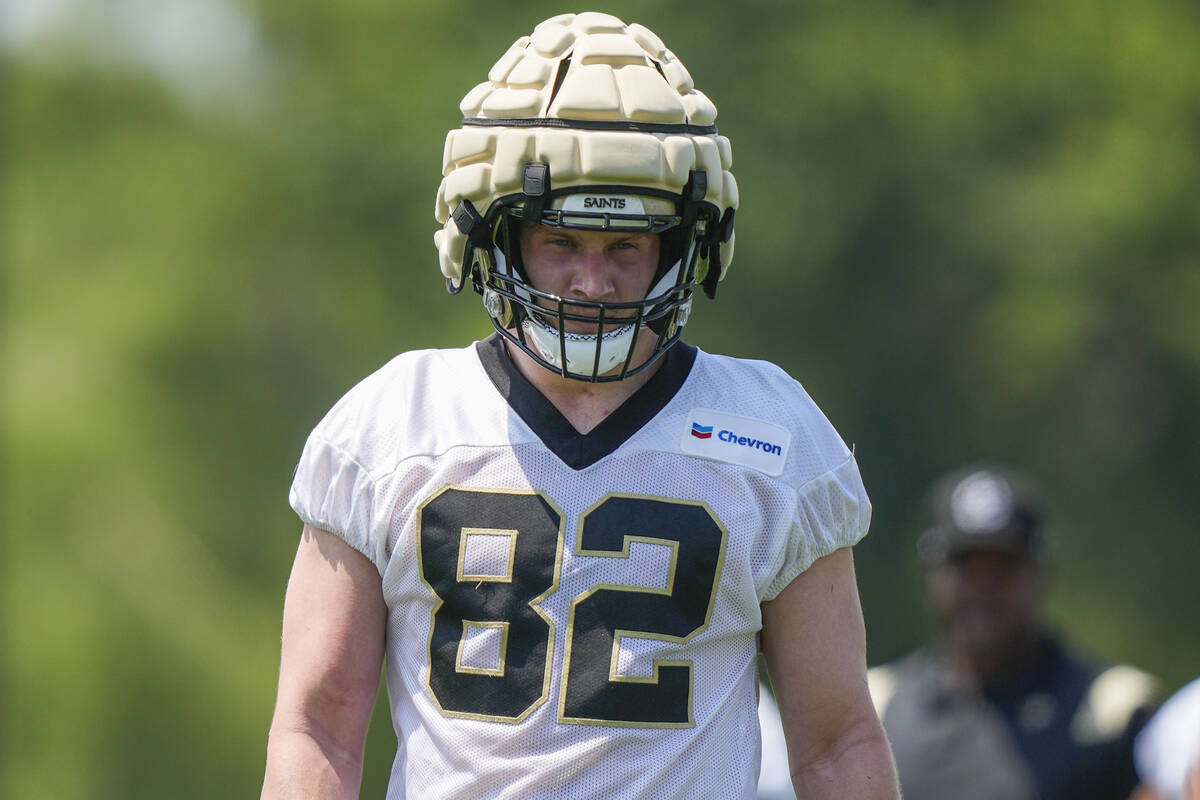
pixel 575 616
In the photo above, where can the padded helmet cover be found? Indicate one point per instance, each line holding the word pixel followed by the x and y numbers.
pixel 603 104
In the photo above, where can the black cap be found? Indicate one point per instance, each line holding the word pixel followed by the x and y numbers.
pixel 982 507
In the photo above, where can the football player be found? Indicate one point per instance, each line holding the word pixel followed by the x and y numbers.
pixel 569 541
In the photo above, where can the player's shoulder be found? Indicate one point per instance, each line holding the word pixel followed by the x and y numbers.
pixel 755 384
pixel 758 370
pixel 411 365
pixel 762 390
pixel 393 393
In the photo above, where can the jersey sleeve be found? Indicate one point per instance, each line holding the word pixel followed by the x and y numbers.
pixel 832 511
pixel 334 486
pixel 331 490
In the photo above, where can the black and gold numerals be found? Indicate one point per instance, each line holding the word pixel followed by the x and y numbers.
pixel 507 599
pixel 526 529
pixel 594 692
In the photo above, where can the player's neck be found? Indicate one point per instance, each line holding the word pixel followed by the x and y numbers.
pixel 585 405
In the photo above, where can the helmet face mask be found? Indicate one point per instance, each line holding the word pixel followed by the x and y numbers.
pixel 584 339
pixel 643 158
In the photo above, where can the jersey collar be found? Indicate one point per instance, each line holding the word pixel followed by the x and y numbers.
pixel 579 450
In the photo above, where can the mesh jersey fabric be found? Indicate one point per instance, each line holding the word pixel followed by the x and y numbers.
pixel 526 597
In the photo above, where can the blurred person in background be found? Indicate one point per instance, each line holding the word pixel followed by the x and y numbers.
pixel 1000 707
pixel 774 779
pixel 570 540
pixel 1167 751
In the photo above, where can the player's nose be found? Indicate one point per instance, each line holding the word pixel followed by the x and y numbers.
pixel 591 278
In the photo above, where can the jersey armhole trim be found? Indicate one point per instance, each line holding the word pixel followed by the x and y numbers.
pixel 812 554
pixel 339 530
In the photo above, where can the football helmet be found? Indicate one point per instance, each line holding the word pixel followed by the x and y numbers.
pixel 592 124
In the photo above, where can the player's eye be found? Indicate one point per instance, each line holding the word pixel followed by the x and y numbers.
pixel 634 244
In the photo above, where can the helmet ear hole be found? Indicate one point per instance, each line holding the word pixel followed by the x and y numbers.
pixel 497 307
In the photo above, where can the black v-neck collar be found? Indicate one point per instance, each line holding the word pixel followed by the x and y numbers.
pixel 579 450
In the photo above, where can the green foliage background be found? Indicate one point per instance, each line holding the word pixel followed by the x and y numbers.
pixel 971 229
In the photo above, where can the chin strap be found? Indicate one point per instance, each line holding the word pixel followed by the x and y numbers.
pixel 693 193
pixel 713 239
pixel 471 224
pixel 714 233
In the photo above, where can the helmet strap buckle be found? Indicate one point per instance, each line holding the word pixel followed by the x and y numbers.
pixel 536 188
pixel 471 224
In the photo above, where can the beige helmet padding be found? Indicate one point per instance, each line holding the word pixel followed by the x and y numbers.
pixel 613 73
